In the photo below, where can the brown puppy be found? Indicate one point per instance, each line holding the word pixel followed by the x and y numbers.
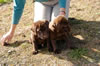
pixel 59 29
pixel 40 34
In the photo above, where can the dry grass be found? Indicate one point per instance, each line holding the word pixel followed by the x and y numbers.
pixel 85 30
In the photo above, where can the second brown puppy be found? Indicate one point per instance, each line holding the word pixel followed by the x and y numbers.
pixel 59 29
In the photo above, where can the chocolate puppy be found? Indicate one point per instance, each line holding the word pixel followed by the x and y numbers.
pixel 39 35
pixel 59 29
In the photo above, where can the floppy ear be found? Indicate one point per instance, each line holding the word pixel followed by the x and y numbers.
pixel 47 22
pixel 53 27
pixel 64 20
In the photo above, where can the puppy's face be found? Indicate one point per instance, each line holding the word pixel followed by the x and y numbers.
pixel 40 29
pixel 60 24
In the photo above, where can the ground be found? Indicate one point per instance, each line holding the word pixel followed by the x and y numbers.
pixel 84 17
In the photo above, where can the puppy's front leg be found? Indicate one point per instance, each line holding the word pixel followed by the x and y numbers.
pixel 56 51
pixel 33 41
pixel 35 49
pixel 49 46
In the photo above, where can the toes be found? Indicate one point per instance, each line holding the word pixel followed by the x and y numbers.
pixel 3 41
pixel 5 44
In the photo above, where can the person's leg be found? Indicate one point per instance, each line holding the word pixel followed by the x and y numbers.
pixel 41 11
pixel 67 8
pixel 56 10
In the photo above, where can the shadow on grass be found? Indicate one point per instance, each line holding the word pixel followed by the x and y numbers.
pixel 83 32
pixel 17 43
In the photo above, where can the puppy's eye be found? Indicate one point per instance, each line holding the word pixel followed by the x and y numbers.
pixel 38 29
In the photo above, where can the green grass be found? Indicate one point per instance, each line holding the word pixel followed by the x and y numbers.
pixel 2 1
pixel 78 53
pixel 5 1
pixel 25 45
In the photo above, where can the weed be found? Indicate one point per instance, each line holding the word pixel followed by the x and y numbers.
pixel 77 53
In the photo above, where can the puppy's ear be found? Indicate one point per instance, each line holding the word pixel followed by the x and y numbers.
pixel 53 27
pixel 47 22
pixel 67 24
pixel 64 20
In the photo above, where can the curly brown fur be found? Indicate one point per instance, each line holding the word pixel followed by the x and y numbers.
pixel 39 35
pixel 59 29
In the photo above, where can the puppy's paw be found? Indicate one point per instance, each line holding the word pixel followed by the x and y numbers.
pixel 57 51
pixel 35 52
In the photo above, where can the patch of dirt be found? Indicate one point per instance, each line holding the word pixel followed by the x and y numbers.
pixel 84 18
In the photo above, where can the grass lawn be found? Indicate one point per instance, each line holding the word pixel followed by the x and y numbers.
pixel 84 18
pixel 5 1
